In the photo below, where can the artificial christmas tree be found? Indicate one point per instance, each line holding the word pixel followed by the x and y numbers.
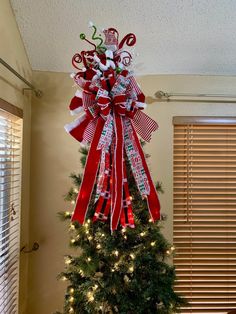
pixel 124 272
pixel 120 266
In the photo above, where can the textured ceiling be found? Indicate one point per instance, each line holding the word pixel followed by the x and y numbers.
pixel 173 36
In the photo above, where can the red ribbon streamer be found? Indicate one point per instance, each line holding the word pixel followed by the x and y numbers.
pixel 117 178
pixel 89 177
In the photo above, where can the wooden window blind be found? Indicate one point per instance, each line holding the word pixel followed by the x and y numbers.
pixel 10 199
pixel 205 213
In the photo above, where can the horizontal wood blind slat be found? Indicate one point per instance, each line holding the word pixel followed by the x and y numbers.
pixel 10 198
pixel 204 169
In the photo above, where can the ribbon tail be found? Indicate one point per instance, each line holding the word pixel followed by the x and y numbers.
pixel 89 176
pixel 152 197
pixel 117 188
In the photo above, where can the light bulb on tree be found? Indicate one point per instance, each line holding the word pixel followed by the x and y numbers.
pixel 131 269
pixel 116 265
pixel 132 256
pixel 153 243
pixel 67 260
pixel 81 272
pixel 72 226
pixel 90 296
pixel 72 290
pixel 71 299
pixel 71 310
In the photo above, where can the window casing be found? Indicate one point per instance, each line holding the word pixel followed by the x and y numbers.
pixel 205 212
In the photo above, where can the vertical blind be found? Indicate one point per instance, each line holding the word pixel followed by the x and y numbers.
pixel 205 213
pixel 10 199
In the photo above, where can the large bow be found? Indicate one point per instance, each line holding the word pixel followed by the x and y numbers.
pixel 111 118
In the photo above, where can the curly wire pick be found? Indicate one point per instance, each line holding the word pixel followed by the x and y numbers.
pixel 95 37
pixel 83 37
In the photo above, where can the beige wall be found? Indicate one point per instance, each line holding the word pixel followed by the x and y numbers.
pixel 12 51
pixel 54 157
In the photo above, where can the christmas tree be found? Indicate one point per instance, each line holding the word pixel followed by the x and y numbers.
pixel 126 272
pixel 120 263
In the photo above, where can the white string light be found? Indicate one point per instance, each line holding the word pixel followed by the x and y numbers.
pixel 132 256
pixel 131 269
pixel 116 265
pixel 67 260
pixel 90 296
pixel 72 227
pixel 81 272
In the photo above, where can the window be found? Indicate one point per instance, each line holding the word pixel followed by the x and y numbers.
pixel 205 212
pixel 10 194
